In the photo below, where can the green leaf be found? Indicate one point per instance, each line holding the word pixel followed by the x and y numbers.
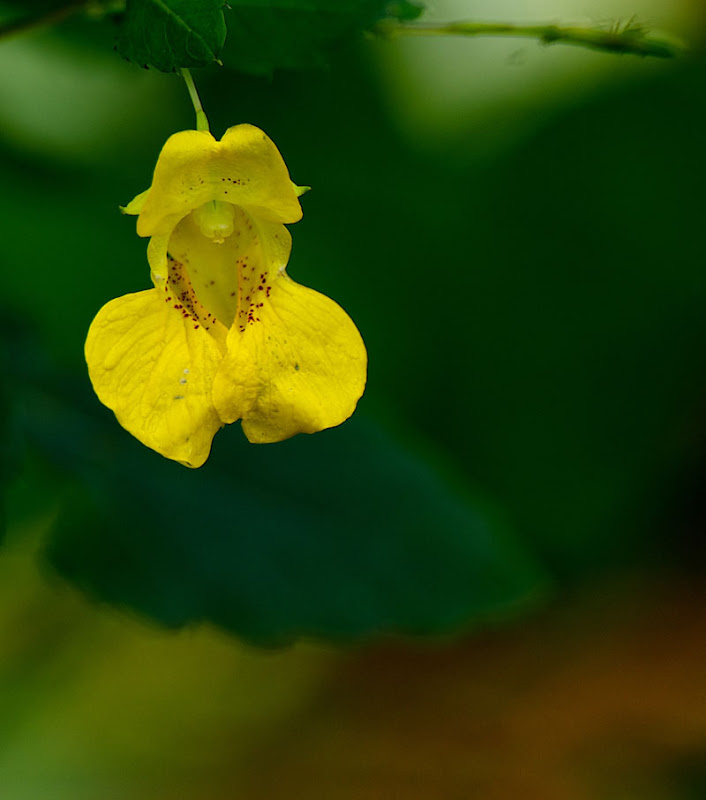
pixel 265 35
pixel 13 341
pixel 5 452
pixel 169 34
pixel 403 10
pixel 338 535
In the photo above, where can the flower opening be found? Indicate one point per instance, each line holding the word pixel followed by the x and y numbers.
pixel 215 220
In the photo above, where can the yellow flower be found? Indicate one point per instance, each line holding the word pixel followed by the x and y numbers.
pixel 225 334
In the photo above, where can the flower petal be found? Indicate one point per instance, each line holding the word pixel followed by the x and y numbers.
pixel 244 168
pixel 299 369
pixel 135 205
pixel 155 372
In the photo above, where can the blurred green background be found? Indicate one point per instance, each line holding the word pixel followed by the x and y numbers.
pixel 489 582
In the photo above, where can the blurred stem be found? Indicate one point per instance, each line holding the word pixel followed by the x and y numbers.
pixel 627 38
pixel 41 19
pixel 201 118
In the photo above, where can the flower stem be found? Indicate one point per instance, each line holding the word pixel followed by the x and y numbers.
pixel 628 38
pixel 201 118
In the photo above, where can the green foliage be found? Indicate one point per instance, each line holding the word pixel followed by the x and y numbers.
pixel 531 358
pixel 296 34
pixel 10 445
pixel 169 34
pixel 263 35
pixel 4 436
pixel 559 369
pixel 404 10
pixel 256 541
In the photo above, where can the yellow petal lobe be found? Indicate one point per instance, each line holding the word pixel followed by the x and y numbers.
pixel 244 168
pixel 155 371
pixel 300 367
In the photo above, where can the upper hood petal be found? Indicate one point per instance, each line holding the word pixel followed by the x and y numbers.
pixel 243 168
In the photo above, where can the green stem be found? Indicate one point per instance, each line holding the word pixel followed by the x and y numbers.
pixel 630 38
pixel 41 20
pixel 201 118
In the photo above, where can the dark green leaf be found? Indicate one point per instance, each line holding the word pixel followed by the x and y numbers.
pixel 569 346
pixel 10 440
pixel 403 10
pixel 5 452
pixel 264 35
pixel 338 535
pixel 169 34
pixel 557 353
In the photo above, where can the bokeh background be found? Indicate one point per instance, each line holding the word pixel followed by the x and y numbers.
pixel 487 584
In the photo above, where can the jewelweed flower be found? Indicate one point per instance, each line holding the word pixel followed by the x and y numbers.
pixel 225 334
